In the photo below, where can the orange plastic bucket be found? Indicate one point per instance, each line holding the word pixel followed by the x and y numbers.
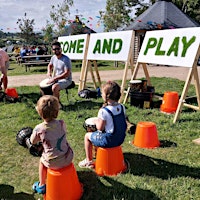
pixel 63 184
pixel 12 92
pixel 109 161
pixel 146 135
pixel 169 102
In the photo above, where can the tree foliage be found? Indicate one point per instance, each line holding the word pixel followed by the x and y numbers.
pixel 48 32
pixel 189 7
pixel 26 27
pixel 118 12
pixel 59 16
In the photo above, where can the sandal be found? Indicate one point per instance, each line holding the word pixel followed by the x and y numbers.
pixel 86 164
pixel 39 189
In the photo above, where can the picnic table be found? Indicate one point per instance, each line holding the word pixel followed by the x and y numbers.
pixel 35 60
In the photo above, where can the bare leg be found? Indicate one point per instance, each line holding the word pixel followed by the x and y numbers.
pixel 5 82
pixel 42 174
pixel 1 81
pixel 88 147
pixel 56 91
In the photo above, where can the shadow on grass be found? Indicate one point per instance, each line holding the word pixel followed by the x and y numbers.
pixel 107 188
pixel 7 193
pixel 30 99
pixel 145 165
pixel 81 105
pixel 167 143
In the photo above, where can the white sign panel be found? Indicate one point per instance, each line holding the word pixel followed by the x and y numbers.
pixel 109 46
pixel 74 46
pixel 177 47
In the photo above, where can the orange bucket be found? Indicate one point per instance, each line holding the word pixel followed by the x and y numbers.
pixel 146 135
pixel 63 184
pixel 12 92
pixel 109 161
pixel 169 102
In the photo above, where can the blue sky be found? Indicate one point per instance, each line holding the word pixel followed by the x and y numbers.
pixel 11 10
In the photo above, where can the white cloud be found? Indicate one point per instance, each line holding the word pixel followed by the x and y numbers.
pixel 11 10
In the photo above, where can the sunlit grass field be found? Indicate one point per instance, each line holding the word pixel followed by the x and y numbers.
pixel 169 172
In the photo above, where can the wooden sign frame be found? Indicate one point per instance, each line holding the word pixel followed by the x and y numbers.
pixel 192 73
pixel 87 66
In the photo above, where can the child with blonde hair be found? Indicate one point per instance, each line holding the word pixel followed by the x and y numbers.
pixel 51 132
pixel 111 124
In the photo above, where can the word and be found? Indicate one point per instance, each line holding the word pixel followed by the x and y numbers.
pixel 110 46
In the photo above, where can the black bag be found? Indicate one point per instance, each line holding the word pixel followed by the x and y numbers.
pixel 6 98
pixel 2 96
pixel 87 94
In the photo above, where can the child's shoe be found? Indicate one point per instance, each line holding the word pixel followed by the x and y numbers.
pixel 39 189
pixel 86 164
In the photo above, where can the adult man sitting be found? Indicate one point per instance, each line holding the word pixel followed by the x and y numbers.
pixel 59 70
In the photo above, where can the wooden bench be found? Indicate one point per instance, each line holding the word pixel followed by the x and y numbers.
pixel 35 60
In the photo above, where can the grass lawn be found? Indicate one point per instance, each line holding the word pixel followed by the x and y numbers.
pixel 169 172
pixel 16 69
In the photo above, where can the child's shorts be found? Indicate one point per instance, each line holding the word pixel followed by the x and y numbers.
pixel 100 139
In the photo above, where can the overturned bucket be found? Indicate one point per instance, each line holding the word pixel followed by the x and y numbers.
pixel 169 102
pixel 146 135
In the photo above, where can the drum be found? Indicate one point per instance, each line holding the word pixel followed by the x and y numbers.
pixel 135 85
pixel 46 88
pixel 89 124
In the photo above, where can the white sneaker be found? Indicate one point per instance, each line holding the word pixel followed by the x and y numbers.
pixel 86 164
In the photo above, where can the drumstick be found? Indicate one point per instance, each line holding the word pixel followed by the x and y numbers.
pixel 53 74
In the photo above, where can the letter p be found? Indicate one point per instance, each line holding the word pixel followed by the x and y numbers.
pixel 151 44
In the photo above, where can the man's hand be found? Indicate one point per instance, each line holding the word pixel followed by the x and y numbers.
pixel 51 80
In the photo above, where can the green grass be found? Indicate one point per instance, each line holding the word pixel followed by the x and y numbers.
pixel 169 172
pixel 16 69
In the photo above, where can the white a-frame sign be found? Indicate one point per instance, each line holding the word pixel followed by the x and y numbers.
pixel 113 46
pixel 174 47
pixel 75 46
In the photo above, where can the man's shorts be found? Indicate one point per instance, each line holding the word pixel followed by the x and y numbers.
pixel 63 83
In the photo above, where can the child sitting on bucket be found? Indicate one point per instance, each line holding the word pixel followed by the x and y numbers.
pixel 52 133
pixel 111 124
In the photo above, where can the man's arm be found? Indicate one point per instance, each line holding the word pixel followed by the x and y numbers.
pixel 49 70
pixel 65 74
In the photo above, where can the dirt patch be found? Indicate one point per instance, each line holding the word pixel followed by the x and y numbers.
pixel 180 73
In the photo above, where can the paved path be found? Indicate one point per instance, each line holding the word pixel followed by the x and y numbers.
pixel 154 71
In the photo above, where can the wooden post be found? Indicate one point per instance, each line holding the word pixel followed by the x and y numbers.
pixel 128 61
pixel 92 74
pixel 97 72
pixel 84 67
pixel 192 72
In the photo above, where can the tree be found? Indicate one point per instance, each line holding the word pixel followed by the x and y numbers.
pixel 189 7
pixel 48 32
pixel 26 26
pixel 116 14
pixel 59 15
